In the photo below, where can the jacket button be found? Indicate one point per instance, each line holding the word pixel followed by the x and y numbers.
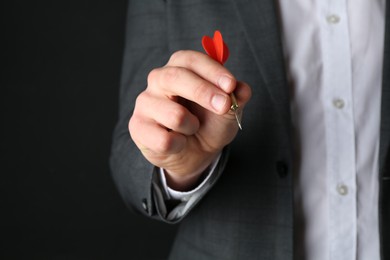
pixel 282 169
pixel 145 205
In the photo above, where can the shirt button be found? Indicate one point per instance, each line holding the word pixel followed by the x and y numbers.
pixel 338 103
pixel 333 19
pixel 342 189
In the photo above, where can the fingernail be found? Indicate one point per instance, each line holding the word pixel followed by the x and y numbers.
pixel 224 82
pixel 218 102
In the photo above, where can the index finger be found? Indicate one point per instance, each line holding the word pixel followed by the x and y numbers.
pixel 204 66
pixel 175 82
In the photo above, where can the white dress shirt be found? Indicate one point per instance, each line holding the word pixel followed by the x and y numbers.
pixel 334 55
pixel 334 52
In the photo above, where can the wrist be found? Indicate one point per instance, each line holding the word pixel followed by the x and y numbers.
pixel 184 182
pixel 189 180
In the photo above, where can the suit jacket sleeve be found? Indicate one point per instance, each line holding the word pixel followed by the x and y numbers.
pixel 146 47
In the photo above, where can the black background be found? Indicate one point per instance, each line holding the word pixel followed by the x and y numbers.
pixel 61 65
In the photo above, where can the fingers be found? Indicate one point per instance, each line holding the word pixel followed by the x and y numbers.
pixel 154 139
pixel 204 66
pixel 176 81
pixel 167 113
pixel 195 77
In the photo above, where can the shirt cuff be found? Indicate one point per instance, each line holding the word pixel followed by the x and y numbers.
pixel 186 195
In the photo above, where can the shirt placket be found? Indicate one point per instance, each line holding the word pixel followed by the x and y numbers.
pixel 337 100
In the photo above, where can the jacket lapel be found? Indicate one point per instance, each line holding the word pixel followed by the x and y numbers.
pixel 261 27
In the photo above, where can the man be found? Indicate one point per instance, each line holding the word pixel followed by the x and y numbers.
pixel 308 177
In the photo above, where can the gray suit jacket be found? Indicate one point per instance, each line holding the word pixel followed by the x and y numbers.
pixel 248 213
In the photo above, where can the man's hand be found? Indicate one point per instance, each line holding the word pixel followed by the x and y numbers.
pixel 181 122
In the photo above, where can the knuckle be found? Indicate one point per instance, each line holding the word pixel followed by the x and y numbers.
pixel 141 99
pixel 171 74
pixel 177 117
pixel 191 59
pixel 132 127
pixel 153 75
pixel 184 58
pixel 177 55
pixel 134 123
pixel 164 144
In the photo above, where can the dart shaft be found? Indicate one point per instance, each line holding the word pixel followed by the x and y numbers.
pixel 234 107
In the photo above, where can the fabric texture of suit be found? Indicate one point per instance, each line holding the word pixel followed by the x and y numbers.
pixel 248 213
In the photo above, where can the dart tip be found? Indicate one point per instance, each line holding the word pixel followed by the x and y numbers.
pixel 238 121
